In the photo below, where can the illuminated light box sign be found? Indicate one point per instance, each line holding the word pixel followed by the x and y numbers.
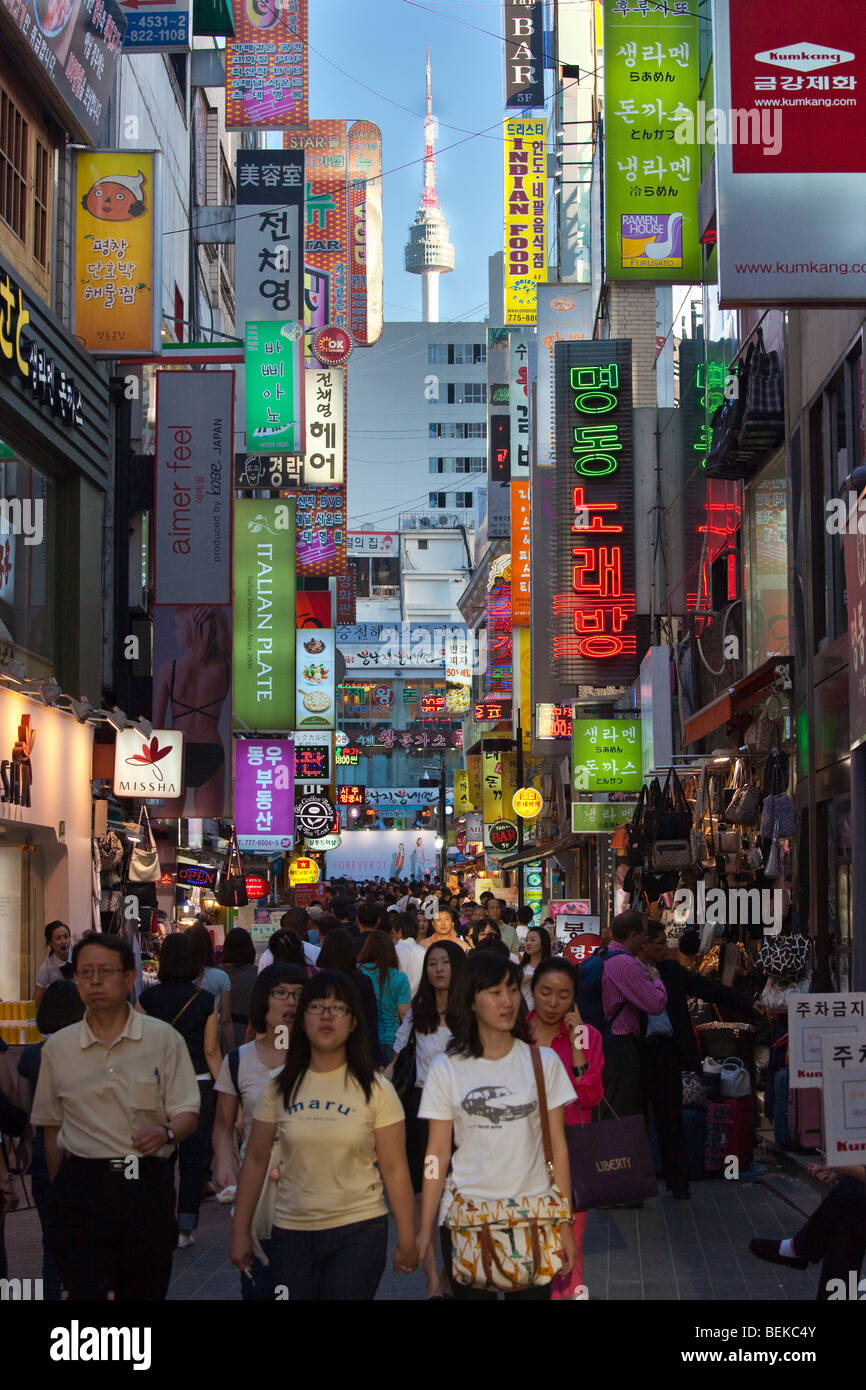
pixel 312 756
pixel 351 794
pixel 432 705
pixel 492 711
pixel 553 721
pixel 597 817
pixel 594 623
pixel 348 757
pixel 606 755
pixel 274 386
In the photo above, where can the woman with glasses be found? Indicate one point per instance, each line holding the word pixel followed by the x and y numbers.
pixel 244 1074
pixel 342 1146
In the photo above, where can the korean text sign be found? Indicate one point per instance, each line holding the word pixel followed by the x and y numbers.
pixel 263 692
pixel 273 354
pixel 193 480
pixel 651 181
pixel 267 65
pixel 813 1017
pixel 264 794
pixel 321 517
pixel 116 262
pixel 269 237
pixel 606 755
pixel 520 550
pixel 595 632
pixel 525 216
pixel 843 1062
pixel 326 245
pixel 523 52
pixel 365 209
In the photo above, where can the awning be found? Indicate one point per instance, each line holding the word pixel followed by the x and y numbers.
pixel 737 698
pixel 542 851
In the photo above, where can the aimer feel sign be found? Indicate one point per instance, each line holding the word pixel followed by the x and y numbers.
pixel 594 630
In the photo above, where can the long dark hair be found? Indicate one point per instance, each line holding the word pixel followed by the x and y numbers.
pixel 425 1015
pixel 484 970
pixel 339 952
pixel 286 946
pixel 328 984
pixel 379 950
pixel 545 945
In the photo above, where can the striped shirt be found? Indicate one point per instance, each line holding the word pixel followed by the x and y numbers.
pixel 625 982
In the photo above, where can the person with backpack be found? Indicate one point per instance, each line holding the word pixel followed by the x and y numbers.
pixel 630 992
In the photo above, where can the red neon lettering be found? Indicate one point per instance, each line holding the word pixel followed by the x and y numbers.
pixel 582 510
pixel 608 562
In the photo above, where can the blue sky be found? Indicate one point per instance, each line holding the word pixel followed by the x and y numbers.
pixel 382 43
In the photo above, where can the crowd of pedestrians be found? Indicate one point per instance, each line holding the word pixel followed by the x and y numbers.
pixel 399 1047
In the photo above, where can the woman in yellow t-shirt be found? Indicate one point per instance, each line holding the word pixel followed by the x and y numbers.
pixel 340 1128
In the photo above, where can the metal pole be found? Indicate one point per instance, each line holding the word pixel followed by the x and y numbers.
pixel 520 900
pixel 443 830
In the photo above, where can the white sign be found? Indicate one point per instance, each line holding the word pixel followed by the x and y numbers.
pixel 402 798
pixel 404 646
pixel 813 1017
pixel 324 464
pixel 314 676
pixel 843 1063
pixel 149 767
pixel 324 842
pixel 384 854
pixel 373 542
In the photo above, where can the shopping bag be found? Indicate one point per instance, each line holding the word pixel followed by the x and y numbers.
pixel 610 1161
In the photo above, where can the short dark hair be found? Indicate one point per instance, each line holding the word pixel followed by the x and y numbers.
pixel 286 946
pixel 368 915
pixel 50 929
pixel 325 922
pixel 297 919
pixel 408 924
pixel 338 952
pixel 340 908
pixel 60 1005
pixel 689 942
pixel 525 915
pixel 477 928
pixel 484 970
pixel 654 929
pixel 278 974
pixel 625 924
pixel 557 965
pixel 201 947
pixel 117 944
pixel 175 958
pixel 238 948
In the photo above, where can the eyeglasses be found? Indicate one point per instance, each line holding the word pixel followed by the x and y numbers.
pixel 99 972
pixel 321 1010
pixel 284 994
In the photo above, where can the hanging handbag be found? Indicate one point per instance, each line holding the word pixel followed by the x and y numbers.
pixel 765 732
pixel 110 850
pixel 746 801
pixel 144 864
pixel 404 1075
pixel 231 885
pixel 777 770
pixel 773 866
pixel 736 1081
pixel 694 1092
pixel 778 812
pixel 666 855
pixel 511 1243
pixel 763 423
pixel 674 819
pixel 610 1161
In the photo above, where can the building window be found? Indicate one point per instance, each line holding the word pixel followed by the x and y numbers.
pixel 41 187
pixel 467 393
pixel 384 576
pixel 423 545
pixel 460 463
pixel 13 167
pixel 442 500
pixel 457 354
pixel 464 500
pixel 359 565
pixel 464 430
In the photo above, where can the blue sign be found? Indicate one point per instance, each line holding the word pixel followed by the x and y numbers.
pixel 157 26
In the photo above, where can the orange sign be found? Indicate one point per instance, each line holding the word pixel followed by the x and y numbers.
pixel 527 802
pixel 520 554
pixel 116 273
pixel 304 871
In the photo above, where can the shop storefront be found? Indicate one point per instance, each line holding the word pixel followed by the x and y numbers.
pixel 45 834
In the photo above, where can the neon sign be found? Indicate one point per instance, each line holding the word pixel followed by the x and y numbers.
pixel 595 636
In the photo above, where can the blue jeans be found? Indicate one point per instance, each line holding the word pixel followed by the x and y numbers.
pixel 340 1264
pixel 193 1158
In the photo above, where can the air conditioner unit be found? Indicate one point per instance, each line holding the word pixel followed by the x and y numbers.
pixel 445 521
pixel 425 521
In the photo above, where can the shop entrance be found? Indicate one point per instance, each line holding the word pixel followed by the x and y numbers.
pixel 20 916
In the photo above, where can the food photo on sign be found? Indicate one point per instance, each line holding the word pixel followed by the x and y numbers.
pixel 314 669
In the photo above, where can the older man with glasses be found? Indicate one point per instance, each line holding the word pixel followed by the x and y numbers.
pixel 116 1093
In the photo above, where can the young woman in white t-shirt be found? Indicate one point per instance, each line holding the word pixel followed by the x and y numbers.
pixel 482 1094
pixel 536 948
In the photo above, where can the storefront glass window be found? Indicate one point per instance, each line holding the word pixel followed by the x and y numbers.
pixel 27 559
pixel 766 558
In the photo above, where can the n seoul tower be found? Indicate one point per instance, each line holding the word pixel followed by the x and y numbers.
pixel 429 252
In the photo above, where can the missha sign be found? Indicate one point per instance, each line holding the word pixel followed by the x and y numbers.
pixel 149 767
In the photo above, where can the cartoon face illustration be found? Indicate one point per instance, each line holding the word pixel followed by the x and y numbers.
pixel 491 1102
pixel 116 198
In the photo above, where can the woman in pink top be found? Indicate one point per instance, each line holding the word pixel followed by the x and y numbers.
pixel 555 1022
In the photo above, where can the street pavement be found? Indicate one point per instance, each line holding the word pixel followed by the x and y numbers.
pixel 668 1250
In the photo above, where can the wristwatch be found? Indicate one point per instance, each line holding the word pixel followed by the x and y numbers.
pixel 169 1133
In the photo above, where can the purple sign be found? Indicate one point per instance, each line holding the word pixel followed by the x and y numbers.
pixel 265 794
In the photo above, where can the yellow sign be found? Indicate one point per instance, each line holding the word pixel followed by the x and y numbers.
pixel 462 799
pixel 304 871
pixel 509 782
pixel 527 802
pixel 523 671
pixel 525 144
pixel 114 251
pixel 473 767
pixel 492 774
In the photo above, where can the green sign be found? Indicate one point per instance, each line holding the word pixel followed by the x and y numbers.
pixel 273 362
pixel 652 158
pixel 596 817
pixel 263 689
pixel 606 755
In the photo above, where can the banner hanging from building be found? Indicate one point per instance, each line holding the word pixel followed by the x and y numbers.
pixel 595 632
pixel 525 144
pixel 520 552
pixel 518 401
pixel 365 223
pixel 264 794
pixel 652 154
pixel 193 487
pixel 118 261
pixel 192 656
pixel 267 65
pixel 269 235
pixel 314 673
pixel 523 51
pixel 321 533
pixel 326 250
pixel 565 314
pixel 491 773
pixel 794 151
pixel 273 367
pixel 69 50
pixel 264 614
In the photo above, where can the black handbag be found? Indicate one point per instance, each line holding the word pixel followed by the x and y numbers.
pixel 763 423
pixel 231 885
pixel 13 1120
pixel 725 459
pixel 674 818
pixel 634 832
pixel 405 1074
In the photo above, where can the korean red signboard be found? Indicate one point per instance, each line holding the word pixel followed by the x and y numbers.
pixel 321 531
pixel 594 630
pixel 499 675
pixel 492 711
pixel 267 67
pixel 350 795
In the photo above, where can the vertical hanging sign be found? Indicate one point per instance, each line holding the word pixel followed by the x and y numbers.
pixel 269 235
pixel 267 65
pixel 525 217
pixel 264 614
pixel 273 361
pixel 524 53
pixel 326 238
pixel 365 231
